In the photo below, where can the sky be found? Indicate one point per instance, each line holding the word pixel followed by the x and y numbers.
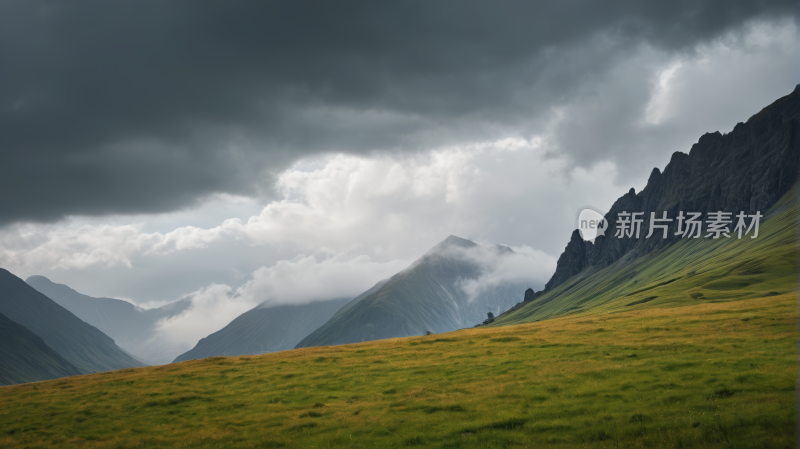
pixel 304 150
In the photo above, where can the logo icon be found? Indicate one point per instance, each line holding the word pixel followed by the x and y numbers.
pixel 591 223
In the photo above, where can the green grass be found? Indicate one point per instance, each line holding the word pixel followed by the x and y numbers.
pixel 705 375
pixel 688 272
pixel 690 347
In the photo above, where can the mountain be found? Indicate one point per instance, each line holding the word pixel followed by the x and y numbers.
pixel 750 169
pixel 689 272
pixel 81 344
pixel 24 356
pixel 129 326
pixel 442 291
pixel 265 329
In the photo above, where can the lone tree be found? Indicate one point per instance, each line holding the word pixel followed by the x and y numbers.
pixel 490 315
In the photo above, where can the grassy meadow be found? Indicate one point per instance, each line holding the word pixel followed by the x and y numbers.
pixel 706 375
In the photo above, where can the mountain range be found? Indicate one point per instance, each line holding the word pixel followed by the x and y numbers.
pixel 429 296
pixel 85 347
pixel 432 295
pixel 265 329
pixel 129 326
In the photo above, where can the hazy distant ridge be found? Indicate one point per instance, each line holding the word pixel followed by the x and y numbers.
pixel 81 344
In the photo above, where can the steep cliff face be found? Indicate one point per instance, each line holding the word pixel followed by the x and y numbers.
pixel 748 169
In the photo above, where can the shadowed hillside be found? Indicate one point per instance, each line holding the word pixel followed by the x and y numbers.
pixel 24 357
pixel 79 343
pixel 265 329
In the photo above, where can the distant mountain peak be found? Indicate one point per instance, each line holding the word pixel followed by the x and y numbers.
pixel 502 249
pixel 37 280
pixel 38 277
pixel 453 240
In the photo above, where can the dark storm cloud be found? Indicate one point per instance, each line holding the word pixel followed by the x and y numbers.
pixel 148 106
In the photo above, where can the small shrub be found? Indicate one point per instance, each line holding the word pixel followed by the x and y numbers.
pixel 306 425
pixel 599 436
pixel 414 441
pixel 721 394
pixel 509 424
pixel 505 339
pixel 641 301
pixel 449 408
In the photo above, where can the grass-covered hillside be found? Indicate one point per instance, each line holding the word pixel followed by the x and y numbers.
pixel 704 375
pixel 692 271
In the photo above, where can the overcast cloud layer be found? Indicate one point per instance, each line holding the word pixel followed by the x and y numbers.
pixel 237 153
pixel 147 107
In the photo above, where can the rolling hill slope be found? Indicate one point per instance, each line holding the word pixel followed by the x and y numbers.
pixel 79 343
pixel 707 375
pixel 24 357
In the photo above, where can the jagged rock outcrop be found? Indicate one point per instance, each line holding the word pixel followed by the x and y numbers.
pixel 529 295
pixel 748 170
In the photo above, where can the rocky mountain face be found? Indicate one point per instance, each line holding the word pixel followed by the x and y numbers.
pixel 748 170
pixel 130 327
pixel 430 295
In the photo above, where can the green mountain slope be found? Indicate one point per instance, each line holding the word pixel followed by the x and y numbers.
pixel 424 297
pixel 753 169
pixel 689 272
pixel 24 357
pixel 81 344
pixel 130 327
pixel 265 329
pixel 748 169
